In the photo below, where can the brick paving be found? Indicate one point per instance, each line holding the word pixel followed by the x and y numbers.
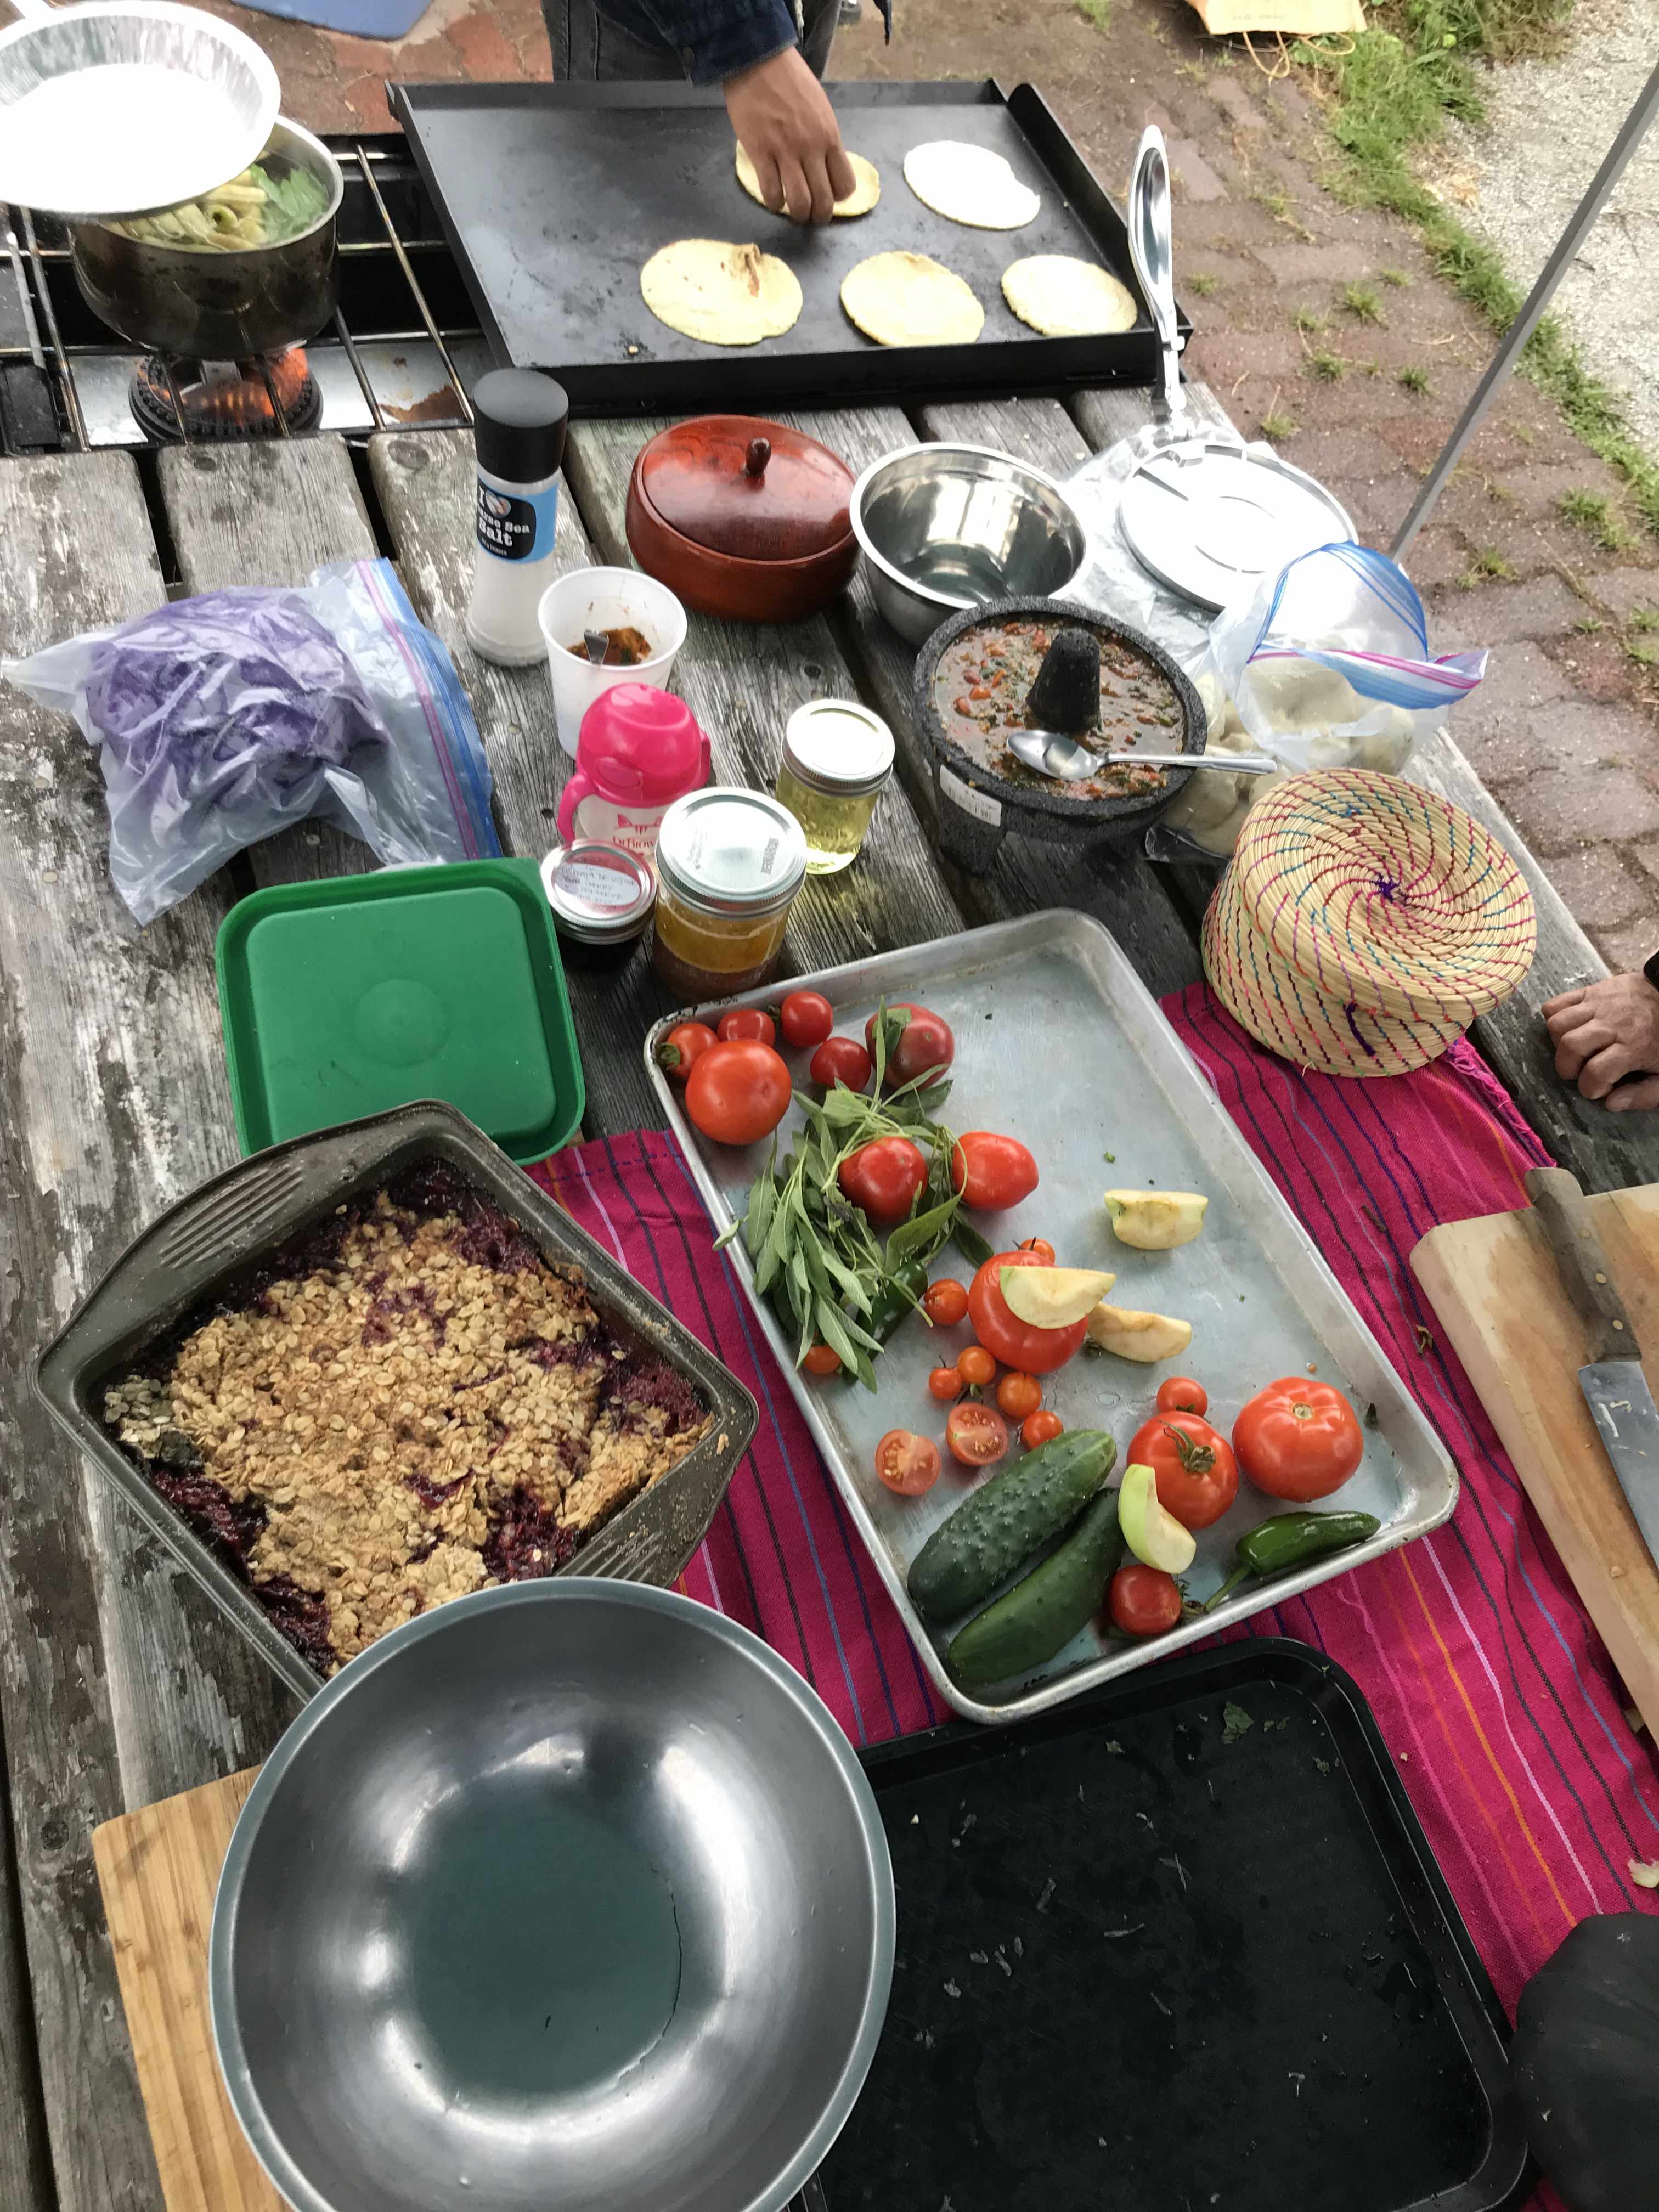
pixel 1566 728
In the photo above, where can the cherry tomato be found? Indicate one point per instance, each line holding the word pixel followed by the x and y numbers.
pixel 1298 1439
pixel 738 1092
pixel 1019 1394
pixel 945 1302
pixel 841 1059
pixel 884 1177
pixel 685 1043
pixel 1144 1600
pixel 1041 1246
pixel 822 1359
pixel 945 1383
pixel 1040 1428
pixel 907 1462
pixel 1197 1474
pixel 1179 1394
pixel 1015 1343
pixel 992 1172
pixel 747 1024
pixel 975 1366
pixel 924 1046
pixel 977 1436
pixel 806 1018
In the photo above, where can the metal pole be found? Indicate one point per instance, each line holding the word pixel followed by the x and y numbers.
pixel 1526 322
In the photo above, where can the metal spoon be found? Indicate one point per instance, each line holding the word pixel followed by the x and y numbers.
pixel 1067 761
pixel 598 645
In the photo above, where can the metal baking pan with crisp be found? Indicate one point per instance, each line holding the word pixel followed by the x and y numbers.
pixel 554 197
pixel 203 1248
pixel 1060 1043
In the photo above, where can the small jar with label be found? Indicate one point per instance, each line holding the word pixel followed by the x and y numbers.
pixel 729 863
pixel 519 425
pixel 601 897
pixel 836 758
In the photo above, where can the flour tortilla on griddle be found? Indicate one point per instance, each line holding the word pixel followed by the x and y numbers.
pixel 867 189
pixel 722 293
pixel 905 298
pixel 970 185
pixel 1065 297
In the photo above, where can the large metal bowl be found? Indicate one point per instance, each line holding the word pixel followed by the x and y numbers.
pixel 570 1893
pixel 943 528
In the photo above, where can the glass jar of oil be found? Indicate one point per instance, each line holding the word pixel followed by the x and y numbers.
pixel 836 756
pixel 729 863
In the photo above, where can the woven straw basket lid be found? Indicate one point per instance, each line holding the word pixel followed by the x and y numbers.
pixel 1364 923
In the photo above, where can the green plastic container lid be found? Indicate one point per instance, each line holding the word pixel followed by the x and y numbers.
pixel 353 995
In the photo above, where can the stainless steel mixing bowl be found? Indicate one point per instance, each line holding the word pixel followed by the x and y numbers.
pixel 569 1893
pixel 944 528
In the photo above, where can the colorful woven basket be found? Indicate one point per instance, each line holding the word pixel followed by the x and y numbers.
pixel 1364 923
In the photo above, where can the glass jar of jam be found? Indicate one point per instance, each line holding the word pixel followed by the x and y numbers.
pixel 601 896
pixel 729 863
pixel 836 758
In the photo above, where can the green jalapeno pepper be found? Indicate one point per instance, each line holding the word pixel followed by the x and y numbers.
pixel 1290 1539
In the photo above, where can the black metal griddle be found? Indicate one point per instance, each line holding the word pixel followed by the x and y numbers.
pixel 1151 1962
pixel 553 197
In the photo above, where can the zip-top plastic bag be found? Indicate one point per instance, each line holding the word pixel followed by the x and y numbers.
pixel 223 719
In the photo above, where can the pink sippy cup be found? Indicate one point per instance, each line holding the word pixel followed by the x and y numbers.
pixel 638 750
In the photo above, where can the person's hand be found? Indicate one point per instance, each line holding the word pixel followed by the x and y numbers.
pixel 782 115
pixel 1603 1033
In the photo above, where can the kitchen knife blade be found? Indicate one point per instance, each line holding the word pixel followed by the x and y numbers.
pixel 1615 1389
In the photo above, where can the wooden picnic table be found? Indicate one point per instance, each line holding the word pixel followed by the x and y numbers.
pixel 120 1684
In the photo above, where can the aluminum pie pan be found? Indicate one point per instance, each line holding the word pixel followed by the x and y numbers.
pixel 207 1243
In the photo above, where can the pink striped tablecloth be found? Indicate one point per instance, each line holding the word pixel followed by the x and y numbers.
pixel 1489 1683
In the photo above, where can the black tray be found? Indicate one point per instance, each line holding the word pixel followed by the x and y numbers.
pixel 553 197
pixel 1298 2022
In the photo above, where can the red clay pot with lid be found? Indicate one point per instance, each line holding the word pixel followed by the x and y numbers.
pixel 743 518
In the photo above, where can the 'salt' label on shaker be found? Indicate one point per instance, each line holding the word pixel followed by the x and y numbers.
pixel 515 526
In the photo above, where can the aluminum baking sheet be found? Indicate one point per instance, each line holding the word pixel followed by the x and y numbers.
pixel 1059 1042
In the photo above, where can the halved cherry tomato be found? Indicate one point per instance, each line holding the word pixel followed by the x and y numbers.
pixel 1197 1474
pixel 923 1045
pixel 992 1172
pixel 738 1092
pixel 1040 1428
pixel 975 1366
pixel 747 1024
pixel 1019 1394
pixel 1041 1246
pixel 1015 1343
pixel 822 1359
pixel 841 1059
pixel 945 1383
pixel 907 1462
pixel 1298 1439
pixel 685 1043
pixel 1144 1600
pixel 806 1018
pixel 945 1302
pixel 884 1177
pixel 977 1436
pixel 1179 1394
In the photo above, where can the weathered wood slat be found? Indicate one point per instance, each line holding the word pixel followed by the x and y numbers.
pixel 119 1683
pixel 25 2159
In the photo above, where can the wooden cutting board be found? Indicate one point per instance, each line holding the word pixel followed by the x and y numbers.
pixel 158 1869
pixel 1493 1284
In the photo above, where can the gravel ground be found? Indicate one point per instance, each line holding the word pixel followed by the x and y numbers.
pixel 1518 179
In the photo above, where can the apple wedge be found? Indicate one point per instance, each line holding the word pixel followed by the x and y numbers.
pixel 1149 1530
pixel 1155 1220
pixel 1142 1336
pixel 1054 1297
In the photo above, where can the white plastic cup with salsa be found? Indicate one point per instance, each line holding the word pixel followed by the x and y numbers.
pixel 614 600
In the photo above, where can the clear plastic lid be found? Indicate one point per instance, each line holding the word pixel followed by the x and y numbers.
pixel 837 746
pixel 731 852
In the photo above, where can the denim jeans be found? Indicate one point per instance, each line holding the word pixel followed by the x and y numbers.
pixel 590 44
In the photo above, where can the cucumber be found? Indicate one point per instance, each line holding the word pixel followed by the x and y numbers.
pixel 1042 1614
pixel 1010 1516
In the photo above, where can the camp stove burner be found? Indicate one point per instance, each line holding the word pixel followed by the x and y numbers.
pixel 226 399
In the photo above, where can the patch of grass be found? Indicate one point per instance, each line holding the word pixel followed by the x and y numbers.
pixel 1591 512
pixel 1204 284
pixel 1397 277
pixel 1525 434
pixel 1308 321
pixel 1645 619
pixel 1329 368
pixel 1097 12
pixel 1487 566
pixel 1590 624
pixel 1362 303
pixel 1648 655
pixel 1278 425
pixel 1277 202
pixel 1415 377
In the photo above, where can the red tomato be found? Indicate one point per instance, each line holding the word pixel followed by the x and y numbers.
pixel 884 1177
pixel 945 1383
pixel 1179 1394
pixel 822 1359
pixel 1298 1439
pixel 685 1043
pixel 738 1092
pixel 1019 1394
pixel 907 1462
pixel 1041 1246
pixel 945 1302
pixel 841 1059
pixel 975 1366
pixel 1197 1474
pixel 747 1024
pixel 992 1172
pixel 924 1046
pixel 1040 1428
pixel 1144 1600
pixel 1015 1343
pixel 977 1436
pixel 806 1018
